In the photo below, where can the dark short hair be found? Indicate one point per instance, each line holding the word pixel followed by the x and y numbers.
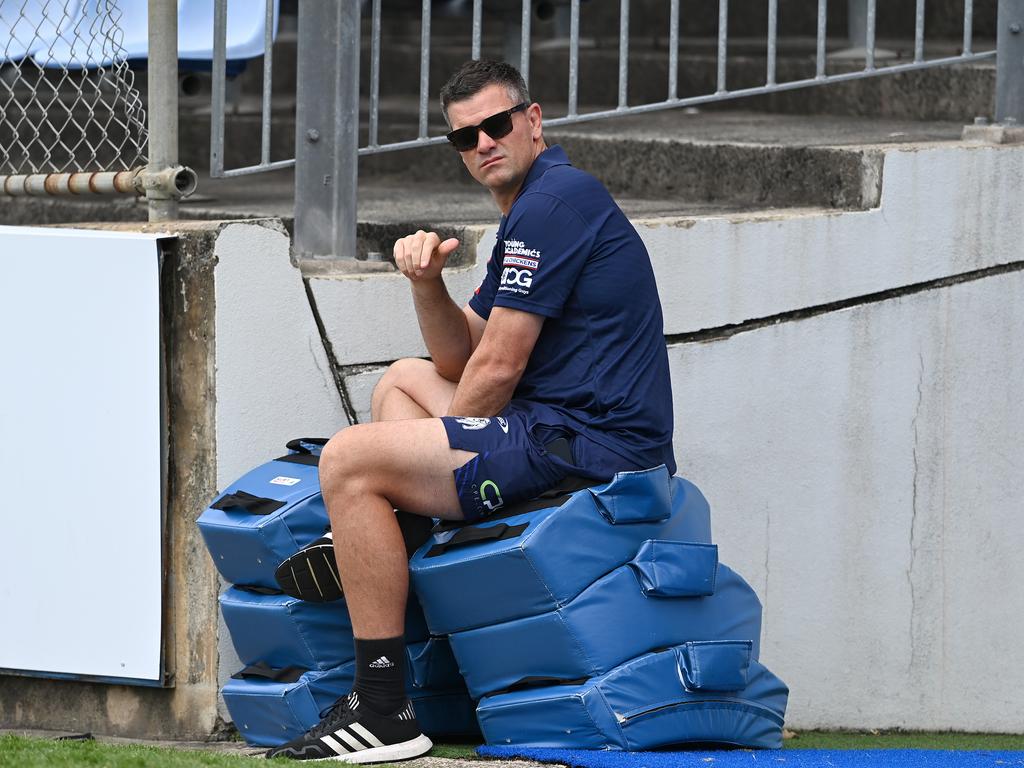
pixel 473 76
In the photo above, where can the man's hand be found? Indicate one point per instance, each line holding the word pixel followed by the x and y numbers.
pixel 422 256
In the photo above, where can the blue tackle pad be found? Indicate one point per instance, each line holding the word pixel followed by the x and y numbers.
pixel 669 593
pixel 271 706
pixel 531 563
pixel 709 692
pixel 281 631
pixel 265 516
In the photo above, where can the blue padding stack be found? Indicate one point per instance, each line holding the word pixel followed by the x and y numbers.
pixel 299 656
pixel 606 622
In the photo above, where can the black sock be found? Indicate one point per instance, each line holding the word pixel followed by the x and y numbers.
pixel 380 674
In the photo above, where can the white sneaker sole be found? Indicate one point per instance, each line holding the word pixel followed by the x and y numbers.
pixel 406 750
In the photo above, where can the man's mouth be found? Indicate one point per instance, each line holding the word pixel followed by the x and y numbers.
pixel 488 162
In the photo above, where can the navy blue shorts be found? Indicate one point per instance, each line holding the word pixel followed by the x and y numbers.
pixel 510 465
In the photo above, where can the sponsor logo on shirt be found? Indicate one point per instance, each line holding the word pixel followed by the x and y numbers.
pixel 520 277
pixel 519 248
pixel 503 424
pixel 520 261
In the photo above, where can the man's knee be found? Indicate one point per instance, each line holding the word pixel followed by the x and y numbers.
pixel 399 375
pixel 344 461
pixel 410 388
pixel 402 373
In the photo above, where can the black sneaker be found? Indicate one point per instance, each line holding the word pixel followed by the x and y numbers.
pixel 352 734
pixel 311 573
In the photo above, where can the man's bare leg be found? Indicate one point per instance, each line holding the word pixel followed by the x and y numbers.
pixel 411 389
pixel 365 472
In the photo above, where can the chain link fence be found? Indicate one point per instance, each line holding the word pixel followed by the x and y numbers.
pixel 68 99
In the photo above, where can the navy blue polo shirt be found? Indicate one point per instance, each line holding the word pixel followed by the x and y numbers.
pixel 599 370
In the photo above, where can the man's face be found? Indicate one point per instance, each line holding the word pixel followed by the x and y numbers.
pixel 498 164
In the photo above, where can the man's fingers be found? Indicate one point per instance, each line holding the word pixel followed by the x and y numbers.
pixel 449 245
pixel 416 253
pixel 430 243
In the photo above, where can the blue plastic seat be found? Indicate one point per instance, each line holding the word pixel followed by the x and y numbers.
pixel 245 33
pixel 703 692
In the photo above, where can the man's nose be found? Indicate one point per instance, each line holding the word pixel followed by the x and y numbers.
pixel 484 143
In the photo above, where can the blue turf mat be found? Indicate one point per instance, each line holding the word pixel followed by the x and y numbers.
pixel 788 758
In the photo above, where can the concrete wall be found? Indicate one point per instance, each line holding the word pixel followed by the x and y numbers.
pixel 845 387
pixel 245 370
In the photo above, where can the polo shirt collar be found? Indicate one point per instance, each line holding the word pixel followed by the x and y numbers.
pixel 549 158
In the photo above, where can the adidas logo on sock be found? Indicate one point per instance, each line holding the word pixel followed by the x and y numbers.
pixel 382 663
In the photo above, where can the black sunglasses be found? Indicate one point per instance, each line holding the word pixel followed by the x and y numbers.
pixel 496 126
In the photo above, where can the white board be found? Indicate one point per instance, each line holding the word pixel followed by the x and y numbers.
pixel 80 453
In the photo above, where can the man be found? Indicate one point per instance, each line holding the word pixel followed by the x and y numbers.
pixel 563 341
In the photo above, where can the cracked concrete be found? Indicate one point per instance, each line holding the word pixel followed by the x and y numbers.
pixel 914 513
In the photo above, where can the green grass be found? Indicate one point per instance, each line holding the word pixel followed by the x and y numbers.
pixel 904 740
pixel 19 752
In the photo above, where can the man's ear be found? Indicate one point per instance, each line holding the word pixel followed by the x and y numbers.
pixel 533 114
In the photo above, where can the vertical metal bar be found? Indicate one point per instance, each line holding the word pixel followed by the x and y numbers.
pixel 163 102
pixel 673 51
pixel 822 22
pixel 478 6
pixel 723 36
pixel 1010 61
pixel 327 129
pixel 524 42
pixel 623 53
pixel 268 79
pixel 857 22
pixel 869 40
pixel 773 30
pixel 919 32
pixel 346 131
pixel 374 75
pixel 424 67
pixel 218 87
pixel 968 27
pixel 574 57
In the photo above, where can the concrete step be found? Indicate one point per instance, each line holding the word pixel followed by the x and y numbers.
pixel 717 157
pixel 671 163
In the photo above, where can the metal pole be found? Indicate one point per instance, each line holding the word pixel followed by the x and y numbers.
pixel 327 130
pixel 857 23
pixel 163 103
pixel 218 87
pixel 623 52
pixel 1010 62
pixel 574 57
pixel 424 66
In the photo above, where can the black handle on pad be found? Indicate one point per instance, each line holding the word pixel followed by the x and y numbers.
pixel 474 535
pixel 536 681
pixel 297 444
pixel 254 505
pixel 264 671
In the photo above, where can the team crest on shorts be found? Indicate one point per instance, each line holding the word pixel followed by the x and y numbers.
pixel 473 422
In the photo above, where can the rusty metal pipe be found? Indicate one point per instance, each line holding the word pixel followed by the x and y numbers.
pixel 175 183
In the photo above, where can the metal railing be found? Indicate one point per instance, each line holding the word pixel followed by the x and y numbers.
pixel 327 124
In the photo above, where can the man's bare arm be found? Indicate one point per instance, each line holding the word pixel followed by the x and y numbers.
pixel 446 329
pixel 495 367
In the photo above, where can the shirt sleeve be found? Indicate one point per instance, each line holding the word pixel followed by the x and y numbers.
pixel 546 244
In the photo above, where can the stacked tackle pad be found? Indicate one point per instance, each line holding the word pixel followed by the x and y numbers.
pixel 299 656
pixel 603 622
